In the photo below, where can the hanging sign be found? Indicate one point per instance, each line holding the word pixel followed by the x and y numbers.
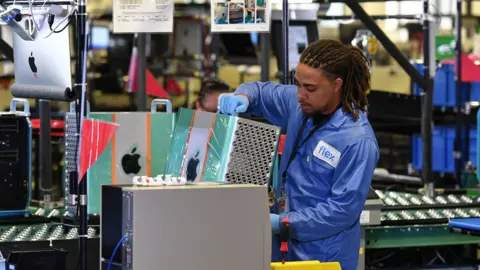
pixel 240 15
pixel 445 47
pixel 143 16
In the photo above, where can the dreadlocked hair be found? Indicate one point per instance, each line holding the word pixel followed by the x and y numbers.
pixel 347 62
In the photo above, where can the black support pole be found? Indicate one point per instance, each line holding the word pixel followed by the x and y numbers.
pixel 386 42
pixel 45 153
pixel 427 110
pixel 81 38
pixel 141 72
pixel 285 27
pixel 265 57
pixel 459 156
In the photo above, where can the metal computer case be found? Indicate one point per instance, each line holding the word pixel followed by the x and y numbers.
pixel 15 160
pixel 188 227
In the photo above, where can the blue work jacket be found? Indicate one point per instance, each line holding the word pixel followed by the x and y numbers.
pixel 328 180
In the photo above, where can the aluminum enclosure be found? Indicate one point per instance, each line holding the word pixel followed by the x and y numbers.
pixel 198 226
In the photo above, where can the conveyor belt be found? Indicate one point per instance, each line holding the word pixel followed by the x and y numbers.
pixel 403 201
pixel 427 216
pixel 398 209
pixel 42 232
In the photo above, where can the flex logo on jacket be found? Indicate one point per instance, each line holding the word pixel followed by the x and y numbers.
pixel 327 153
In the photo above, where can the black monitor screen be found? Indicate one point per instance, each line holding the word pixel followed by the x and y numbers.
pixel 119 51
pixel 159 45
pixel 239 48
pixel 300 35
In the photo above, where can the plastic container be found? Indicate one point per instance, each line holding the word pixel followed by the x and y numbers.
pixel 443 142
pixel 438 151
pixel 477 163
pixel 450 161
pixel 441 84
pixel 444 88
pixel 475 91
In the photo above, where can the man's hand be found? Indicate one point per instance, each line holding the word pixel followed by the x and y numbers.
pixel 233 104
pixel 275 223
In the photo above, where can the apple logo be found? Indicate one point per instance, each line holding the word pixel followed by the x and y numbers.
pixel 130 163
pixel 192 167
pixel 31 63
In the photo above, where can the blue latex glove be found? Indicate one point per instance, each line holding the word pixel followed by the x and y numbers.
pixel 275 223
pixel 233 104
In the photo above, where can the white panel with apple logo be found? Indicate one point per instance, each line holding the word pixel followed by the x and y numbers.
pixel 42 65
pixel 131 146
pixel 197 146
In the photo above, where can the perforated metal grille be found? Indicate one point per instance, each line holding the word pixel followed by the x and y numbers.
pixel 70 147
pixel 253 152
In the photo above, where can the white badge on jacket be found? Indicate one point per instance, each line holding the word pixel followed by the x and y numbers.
pixel 327 153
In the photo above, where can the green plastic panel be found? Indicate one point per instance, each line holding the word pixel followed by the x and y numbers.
pixel 219 151
pixel 99 173
pixel 130 151
pixel 161 129
pixel 201 146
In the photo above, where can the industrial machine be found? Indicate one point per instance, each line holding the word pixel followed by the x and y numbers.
pixel 204 227
pixel 414 222
pixel 15 159
pixel 371 215
pixel 393 221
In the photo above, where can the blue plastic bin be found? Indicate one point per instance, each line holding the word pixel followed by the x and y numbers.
pixel 450 147
pixel 444 88
pixel 475 91
pixel 443 80
pixel 443 146
pixel 438 151
pixel 477 163
pixel 473 146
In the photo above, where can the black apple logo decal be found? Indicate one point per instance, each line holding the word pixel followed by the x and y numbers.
pixel 192 167
pixel 31 63
pixel 130 163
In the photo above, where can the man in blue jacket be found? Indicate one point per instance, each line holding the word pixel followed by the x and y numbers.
pixel 330 151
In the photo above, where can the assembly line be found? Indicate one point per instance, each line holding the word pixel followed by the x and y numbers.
pixel 253 134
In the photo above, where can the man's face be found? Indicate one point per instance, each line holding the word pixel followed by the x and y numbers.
pixel 316 92
pixel 210 103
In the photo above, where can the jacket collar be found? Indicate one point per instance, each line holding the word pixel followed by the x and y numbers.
pixel 338 118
